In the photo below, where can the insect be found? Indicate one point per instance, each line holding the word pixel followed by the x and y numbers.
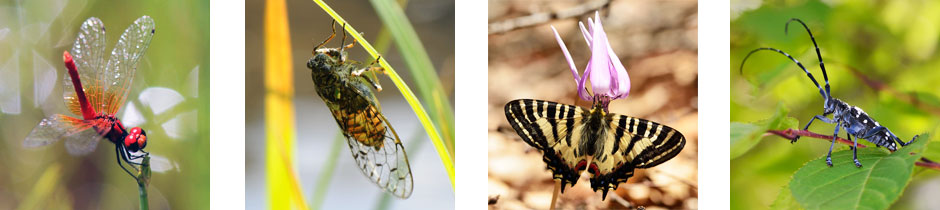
pixel 349 96
pixel 95 90
pixel 609 146
pixel 852 119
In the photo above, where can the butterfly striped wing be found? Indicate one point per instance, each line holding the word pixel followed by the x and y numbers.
pixel 632 143
pixel 620 143
pixel 548 126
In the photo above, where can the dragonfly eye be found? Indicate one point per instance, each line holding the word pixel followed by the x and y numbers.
pixel 136 139
pixel 142 139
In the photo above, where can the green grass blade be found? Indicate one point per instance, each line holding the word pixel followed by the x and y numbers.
pixel 416 58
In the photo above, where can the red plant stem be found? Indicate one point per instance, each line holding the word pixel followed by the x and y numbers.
pixel 792 134
pixel 927 163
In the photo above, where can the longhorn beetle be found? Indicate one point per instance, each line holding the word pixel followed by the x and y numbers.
pixel 851 118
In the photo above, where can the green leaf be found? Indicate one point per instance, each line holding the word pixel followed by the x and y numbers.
pixel 785 200
pixel 745 135
pixel 876 185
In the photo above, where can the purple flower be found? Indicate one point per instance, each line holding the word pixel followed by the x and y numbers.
pixel 609 79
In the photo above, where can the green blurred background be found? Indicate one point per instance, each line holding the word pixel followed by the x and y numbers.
pixel 169 99
pixel 890 44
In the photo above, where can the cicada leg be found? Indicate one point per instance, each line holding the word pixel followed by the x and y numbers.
pixel 332 27
pixel 375 82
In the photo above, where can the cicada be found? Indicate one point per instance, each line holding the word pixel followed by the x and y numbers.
pixel 350 96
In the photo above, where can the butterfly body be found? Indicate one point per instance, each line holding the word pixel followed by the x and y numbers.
pixel 609 146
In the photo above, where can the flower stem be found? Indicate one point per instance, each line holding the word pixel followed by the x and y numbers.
pixel 793 133
pixel 555 193
pixel 143 180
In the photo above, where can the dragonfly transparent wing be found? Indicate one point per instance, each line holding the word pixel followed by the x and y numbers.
pixel 88 54
pixel 386 164
pixel 123 63
pixel 58 127
pixel 87 141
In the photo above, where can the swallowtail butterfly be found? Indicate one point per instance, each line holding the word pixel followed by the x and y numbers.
pixel 610 146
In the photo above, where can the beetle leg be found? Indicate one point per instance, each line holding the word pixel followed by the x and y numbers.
pixel 834 136
pixel 820 117
pixel 855 151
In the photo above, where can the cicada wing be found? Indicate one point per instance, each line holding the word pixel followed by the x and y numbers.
pixel 123 63
pixel 81 135
pixel 88 54
pixel 385 163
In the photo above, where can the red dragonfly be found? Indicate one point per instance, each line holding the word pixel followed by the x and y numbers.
pixel 97 92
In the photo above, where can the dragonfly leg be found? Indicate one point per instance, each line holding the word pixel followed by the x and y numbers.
pixel 128 157
pixel 118 157
pixel 135 157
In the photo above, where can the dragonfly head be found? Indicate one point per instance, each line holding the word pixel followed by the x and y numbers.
pixel 136 139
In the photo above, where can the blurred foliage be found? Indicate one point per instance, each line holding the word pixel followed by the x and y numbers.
pixel 745 135
pixel 281 178
pixel 33 35
pixel 880 56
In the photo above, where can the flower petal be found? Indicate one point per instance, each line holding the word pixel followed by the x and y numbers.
pixel 585 33
pixel 601 76
pixel 623 83
pixel 582 91
pixel 564 49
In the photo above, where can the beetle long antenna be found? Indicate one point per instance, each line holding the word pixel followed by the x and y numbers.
pixel 818 55
pixel 810 75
